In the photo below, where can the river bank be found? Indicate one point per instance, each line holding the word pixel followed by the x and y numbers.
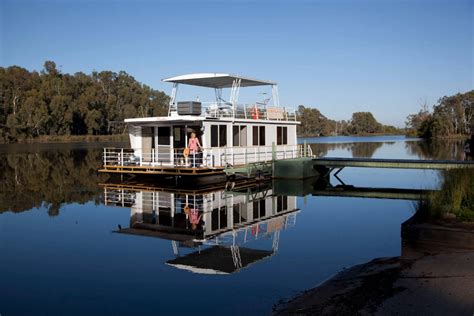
pixel 431 277
pixel 440 284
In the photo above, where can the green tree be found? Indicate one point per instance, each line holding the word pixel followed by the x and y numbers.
pixel 364 123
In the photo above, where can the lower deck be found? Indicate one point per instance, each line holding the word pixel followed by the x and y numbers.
pixel 208 161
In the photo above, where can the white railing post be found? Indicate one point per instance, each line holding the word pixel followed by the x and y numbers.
pixel 105 156
pixel 121 156
pixel 153 156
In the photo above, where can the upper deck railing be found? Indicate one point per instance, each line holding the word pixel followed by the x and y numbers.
pixel 246 111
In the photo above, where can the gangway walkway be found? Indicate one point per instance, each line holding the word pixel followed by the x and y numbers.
pixel 337 163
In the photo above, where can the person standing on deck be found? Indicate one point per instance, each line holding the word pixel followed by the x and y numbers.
pixel 194 147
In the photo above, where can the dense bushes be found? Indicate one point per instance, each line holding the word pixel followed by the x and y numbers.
pixel 456 196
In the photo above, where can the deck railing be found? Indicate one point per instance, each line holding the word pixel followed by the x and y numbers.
pixel 247 111
pixel 207 158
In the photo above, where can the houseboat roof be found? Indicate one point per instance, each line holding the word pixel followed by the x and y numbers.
pixel 217 80
pixel 218 260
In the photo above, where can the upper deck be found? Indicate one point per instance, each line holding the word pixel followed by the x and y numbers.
pixel 268 109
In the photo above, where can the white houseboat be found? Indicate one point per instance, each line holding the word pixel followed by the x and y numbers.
pixel 230 133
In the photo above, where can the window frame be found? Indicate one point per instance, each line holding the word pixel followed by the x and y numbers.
pixel 282 135
pixel 258 137
pixel 218 135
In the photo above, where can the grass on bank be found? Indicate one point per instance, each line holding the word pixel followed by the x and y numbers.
pixel 454 199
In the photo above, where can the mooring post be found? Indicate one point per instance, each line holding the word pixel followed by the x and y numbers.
pixel 273 158
pixel 273 151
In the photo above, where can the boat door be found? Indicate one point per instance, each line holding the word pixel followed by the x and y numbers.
pixel 147 139
pixel 163 148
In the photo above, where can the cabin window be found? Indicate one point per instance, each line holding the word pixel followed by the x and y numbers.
pixel 218 135
pixel 239 135
pixel 282 135
pixel 282 203
pixel 258 136
pixel 259 209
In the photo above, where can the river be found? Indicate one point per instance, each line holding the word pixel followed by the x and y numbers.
pixel 67 248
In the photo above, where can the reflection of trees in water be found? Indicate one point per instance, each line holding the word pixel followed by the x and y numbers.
pixel 49 178
pixel 437 149
pixel 357 149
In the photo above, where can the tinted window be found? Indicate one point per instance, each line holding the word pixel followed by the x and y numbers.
pixel 214 135
pixel 262 136
pixel 222 135
pixel 255 135
pixel 279 135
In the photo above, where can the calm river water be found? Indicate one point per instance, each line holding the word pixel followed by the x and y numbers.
pixel 69 246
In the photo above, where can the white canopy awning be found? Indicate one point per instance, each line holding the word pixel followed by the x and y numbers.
pixel 217 80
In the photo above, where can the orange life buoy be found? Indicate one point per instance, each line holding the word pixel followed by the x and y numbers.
pixel 254 112
pixel 186 152
pixel 186 209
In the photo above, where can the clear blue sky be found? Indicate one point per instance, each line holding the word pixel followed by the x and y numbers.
pixel 339 56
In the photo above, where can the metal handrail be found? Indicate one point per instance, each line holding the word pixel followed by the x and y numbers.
pixel 208 157
pixel 245 111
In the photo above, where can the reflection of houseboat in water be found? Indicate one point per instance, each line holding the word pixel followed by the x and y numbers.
pixel 204 138
pixel 211 230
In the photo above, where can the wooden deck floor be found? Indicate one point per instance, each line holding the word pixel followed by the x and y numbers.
pixel 161 170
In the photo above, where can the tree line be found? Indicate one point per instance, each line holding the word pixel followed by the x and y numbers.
pixel 314 123
pixel 451 116
pixel 50 102
pixel 53 103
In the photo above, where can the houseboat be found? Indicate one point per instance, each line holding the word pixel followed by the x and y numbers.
pixel 202 138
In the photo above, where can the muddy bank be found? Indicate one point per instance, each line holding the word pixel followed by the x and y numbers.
pixel 430 278
pixel 358 289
